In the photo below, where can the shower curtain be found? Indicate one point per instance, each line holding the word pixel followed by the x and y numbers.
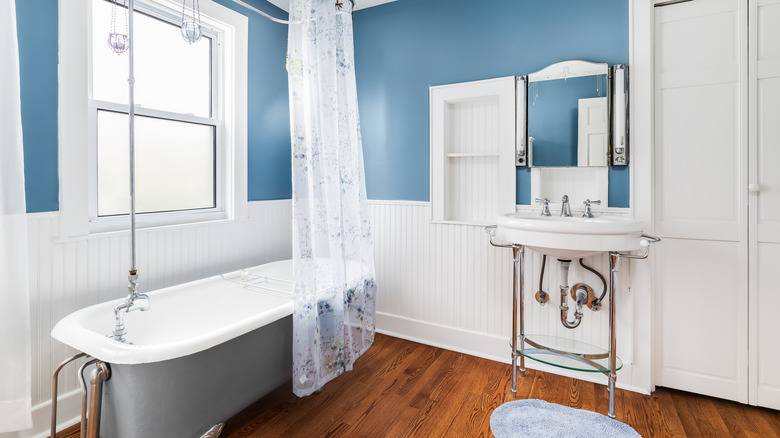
pixel 335 287
pixel 15 392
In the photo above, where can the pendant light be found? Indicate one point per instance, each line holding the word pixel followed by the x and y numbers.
pixel 190 29
pixel 118 42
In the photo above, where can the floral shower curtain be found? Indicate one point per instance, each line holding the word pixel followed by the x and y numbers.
pixel 15 390
pixel 335 287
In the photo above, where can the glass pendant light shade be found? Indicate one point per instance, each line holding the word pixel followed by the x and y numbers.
pixel 118 42
pixel 190 29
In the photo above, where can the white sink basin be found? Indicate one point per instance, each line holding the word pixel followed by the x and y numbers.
pixel 570 237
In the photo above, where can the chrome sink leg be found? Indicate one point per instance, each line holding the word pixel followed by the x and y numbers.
pixel 514 318
pixel 517 295
pixel 519 265
pixel 613 269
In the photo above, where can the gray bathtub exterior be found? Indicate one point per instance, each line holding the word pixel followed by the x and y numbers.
pixel 184 397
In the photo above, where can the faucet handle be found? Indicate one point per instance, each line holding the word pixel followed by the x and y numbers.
pixel 588 213
pixel 545 206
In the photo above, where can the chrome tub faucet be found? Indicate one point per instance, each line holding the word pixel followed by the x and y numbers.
pixel 134 301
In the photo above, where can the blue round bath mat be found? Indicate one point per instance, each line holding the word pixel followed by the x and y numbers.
pixel 539 419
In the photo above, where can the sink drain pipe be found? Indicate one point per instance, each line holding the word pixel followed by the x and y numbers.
pixel 581 298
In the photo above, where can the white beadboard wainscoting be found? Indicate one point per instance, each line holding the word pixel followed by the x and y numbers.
pixel 69 274
pixel 443 284
pixel 440 284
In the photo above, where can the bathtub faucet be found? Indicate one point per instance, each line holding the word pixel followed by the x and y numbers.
pixel 134 301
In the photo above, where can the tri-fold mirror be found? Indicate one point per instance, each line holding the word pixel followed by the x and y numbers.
pixel 573 113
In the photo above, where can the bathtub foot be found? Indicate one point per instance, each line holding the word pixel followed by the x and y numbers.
pixel 214 431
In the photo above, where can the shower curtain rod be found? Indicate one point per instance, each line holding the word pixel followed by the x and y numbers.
pixel 274 19
pixel 261 12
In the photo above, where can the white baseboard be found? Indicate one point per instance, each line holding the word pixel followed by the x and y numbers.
pixel 484 345
pixel 68 414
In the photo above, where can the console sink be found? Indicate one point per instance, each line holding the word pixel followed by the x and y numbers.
pixel 570 237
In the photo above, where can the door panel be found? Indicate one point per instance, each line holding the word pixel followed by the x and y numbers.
pixel 701 164
pixel 768 176
pixel 764 202
pixel 699 179
pixel 702 347
pixel 700 120
pixel 767 355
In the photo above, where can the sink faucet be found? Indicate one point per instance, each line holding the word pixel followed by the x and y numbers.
pixel 545 206
pixel 588 213
pixel 134 301
pixel 565 209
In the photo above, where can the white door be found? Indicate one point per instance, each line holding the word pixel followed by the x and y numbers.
pixel 592 132
pixel 701 168
pixel 764 202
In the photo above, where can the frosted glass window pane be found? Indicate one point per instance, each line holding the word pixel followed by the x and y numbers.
pixel 174 165
pixel 170 74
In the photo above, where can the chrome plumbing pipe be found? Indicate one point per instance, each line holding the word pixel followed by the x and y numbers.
pixel 130 301
pixel 83 385
pixel 100 374
pixel 134 301
pixel 90 424
pixel 131 116
pixel 54 381
pixel 564 272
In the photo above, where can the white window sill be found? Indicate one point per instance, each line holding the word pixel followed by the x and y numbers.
pixel 149 228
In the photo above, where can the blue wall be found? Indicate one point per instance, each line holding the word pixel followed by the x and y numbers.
pixel 268 113
pixel 404 47
pixel 37 32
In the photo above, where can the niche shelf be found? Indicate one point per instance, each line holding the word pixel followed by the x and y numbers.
pixel 472 151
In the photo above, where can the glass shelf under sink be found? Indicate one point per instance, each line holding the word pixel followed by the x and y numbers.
pixel 567 353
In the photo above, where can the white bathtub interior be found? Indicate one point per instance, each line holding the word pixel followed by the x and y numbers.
pixel 183 319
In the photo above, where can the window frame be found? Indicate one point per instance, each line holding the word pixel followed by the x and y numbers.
pixel 78 119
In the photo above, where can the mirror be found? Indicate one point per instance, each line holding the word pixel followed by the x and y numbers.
pixel 573 115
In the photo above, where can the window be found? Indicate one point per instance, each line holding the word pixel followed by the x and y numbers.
pixel 176 146
pixel 190 123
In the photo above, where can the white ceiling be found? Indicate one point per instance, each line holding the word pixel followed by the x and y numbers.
pixel 359 4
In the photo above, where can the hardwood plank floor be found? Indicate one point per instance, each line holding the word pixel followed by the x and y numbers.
pixel 400 388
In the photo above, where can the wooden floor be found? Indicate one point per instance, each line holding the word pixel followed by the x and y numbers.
pixel 400 388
